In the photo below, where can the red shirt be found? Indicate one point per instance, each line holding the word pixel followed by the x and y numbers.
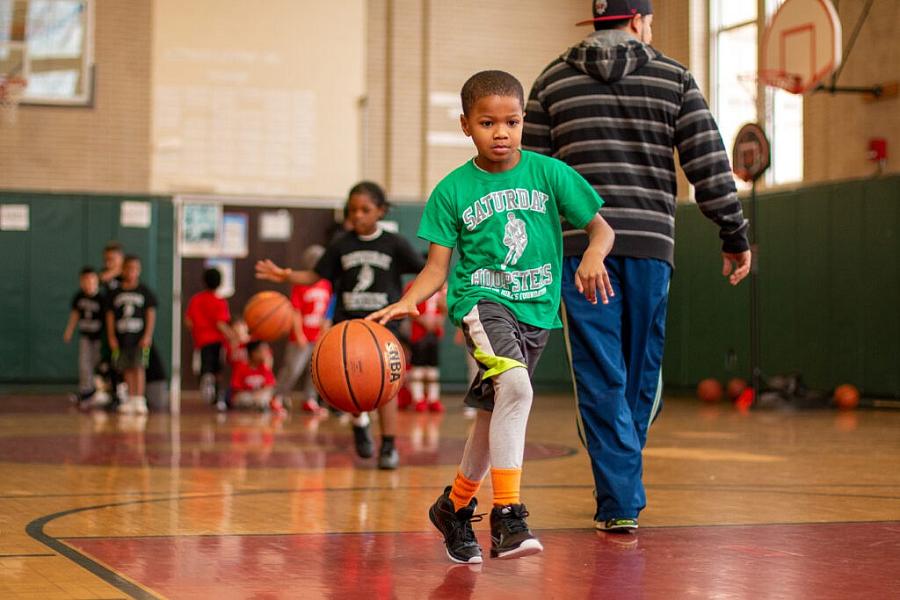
pixel 311 301
pixel 206 311
pixel 433 307
pixel 245 377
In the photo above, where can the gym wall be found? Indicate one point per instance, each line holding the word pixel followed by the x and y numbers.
pixel 103 147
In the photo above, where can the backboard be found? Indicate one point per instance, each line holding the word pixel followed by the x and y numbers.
pixel 801 45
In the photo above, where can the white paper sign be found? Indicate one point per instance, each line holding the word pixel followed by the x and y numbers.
pixel 234 235
pixel 13 217
pixel 135 214
pixel 275 226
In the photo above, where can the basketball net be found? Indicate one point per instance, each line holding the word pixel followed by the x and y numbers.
pixel 12 89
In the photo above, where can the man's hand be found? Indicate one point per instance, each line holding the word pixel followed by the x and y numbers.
pixel 592 276
pixel 736 266
pixel 266 269
pixel 145 342
pixel 397 310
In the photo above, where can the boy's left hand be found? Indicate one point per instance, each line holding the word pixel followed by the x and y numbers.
pixel 592 276
pixel 397 310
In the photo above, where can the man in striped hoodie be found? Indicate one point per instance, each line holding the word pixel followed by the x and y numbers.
pixel 616 109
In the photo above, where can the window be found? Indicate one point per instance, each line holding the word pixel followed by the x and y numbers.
pixel 49 43
pixel 735 29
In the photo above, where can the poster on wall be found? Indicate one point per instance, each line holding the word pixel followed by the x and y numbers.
pixel 275 226
pixel 234 235
pixel 14 217
pixel 226 268
pixel 135 214
pixel 201 229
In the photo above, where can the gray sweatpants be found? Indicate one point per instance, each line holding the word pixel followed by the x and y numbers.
pixel 295 364
pixel 88 359
pixel 507 352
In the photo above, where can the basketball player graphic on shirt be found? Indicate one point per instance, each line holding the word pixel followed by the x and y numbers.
pixel 364 279
pixel 515 238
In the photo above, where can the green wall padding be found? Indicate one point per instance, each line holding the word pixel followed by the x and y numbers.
pixel 40 275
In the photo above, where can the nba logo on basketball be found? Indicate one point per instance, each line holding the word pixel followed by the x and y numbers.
pixel 395 364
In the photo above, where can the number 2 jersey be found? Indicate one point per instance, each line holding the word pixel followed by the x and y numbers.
pixel 129 308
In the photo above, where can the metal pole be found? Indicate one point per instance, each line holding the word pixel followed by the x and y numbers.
pixel 755 369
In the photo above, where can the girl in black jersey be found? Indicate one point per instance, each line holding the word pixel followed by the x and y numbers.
pixel 365 266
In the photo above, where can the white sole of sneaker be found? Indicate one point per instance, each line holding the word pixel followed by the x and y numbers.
pixel 526 548
pixel 475 560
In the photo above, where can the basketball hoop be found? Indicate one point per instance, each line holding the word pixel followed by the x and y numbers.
pixel 12 90
pixel 790 82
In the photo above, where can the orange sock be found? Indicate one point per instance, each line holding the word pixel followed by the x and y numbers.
pixel 463 491
pixel 506 486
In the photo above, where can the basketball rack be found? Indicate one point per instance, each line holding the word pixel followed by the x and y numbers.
pixel 12 90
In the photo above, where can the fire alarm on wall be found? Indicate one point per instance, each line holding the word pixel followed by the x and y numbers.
pixel 877 149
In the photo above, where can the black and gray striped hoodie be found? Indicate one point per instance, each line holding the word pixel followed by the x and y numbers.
pixel 616 109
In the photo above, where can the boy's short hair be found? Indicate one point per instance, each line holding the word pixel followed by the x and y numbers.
pixel 131 258
pixel 490 83
pixel 212 278
pixel 88 270
pixel 113 246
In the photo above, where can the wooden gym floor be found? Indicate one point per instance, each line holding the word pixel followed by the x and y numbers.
pixel 741 506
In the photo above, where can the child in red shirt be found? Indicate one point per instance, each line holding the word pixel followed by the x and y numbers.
pixel 207 318
pixel 425 341
pixel 310 307
pixel 252 382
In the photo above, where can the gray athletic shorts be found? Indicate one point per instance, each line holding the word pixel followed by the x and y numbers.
pixel 498 341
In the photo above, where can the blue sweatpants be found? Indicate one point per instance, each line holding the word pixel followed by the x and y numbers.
pixel 616 354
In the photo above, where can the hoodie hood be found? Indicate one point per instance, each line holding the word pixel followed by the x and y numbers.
pixel 609 55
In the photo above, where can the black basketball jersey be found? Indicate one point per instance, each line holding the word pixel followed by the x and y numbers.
pixel 366 272
pixel 90 314
pixel 129 308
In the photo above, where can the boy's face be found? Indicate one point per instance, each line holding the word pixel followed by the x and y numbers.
pixel 90 283
pixel 112 260
pixel 258 356
pixel 131 272
pixel 363 213
pixel 495 125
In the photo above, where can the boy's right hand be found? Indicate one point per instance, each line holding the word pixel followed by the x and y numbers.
pixel 397 310
pixel 266 269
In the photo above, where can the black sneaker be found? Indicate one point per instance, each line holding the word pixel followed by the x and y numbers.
pixel 616 525
pixel 388 458
pixel 365 447
pixel 456 527
pixel 510 536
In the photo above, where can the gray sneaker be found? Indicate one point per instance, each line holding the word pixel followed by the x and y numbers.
pixel 388 458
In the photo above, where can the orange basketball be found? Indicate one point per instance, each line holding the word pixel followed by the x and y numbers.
pixel 357 366
pixel 269 316
pixel 846 397
pixel 734 387
pixel 710 390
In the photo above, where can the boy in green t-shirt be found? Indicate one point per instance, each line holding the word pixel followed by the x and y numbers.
pixel 502 211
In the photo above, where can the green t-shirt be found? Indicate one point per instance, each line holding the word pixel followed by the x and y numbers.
pixel 506 227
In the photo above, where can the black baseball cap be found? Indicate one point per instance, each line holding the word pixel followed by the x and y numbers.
pixel 617 10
